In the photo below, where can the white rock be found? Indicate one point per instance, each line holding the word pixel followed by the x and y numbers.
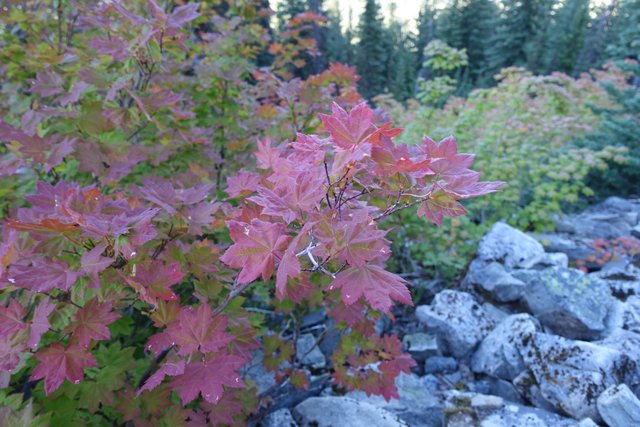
pixel 458 320
pixel 619 407
pixel 331 411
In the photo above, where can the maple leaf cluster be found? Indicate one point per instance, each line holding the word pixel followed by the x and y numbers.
pixel 133 278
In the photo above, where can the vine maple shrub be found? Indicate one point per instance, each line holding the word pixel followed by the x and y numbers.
pixel 133 281
pixel 311 218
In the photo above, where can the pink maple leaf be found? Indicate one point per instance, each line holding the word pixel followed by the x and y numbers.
pixel 58 364
pixel 208 378
pixel 40 322
pixel 47 83
pixel 378 286
pixel 349 130
pixel 182 15
pixel 92 262
pixel 168 369
pixel 242 183
pixel 440 205
pixel 11 319
pixel 91 321
pixel 256 248
pixel 153 280
pixel 199 330
pixel 44 275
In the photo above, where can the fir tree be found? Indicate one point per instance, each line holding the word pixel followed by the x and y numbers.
pixel 567 35
pixel 336 48
pixel 400 68
pixel 594 45
pixel 426 26
pixel 371 51
pixel 522 34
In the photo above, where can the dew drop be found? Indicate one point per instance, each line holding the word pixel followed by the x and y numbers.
pixel 189 217
pixel 76 381
pixel 173 343
pixel 12 280
pixel 132 254
pixel 331 287
pixel 402 158
pixel 149 347
pixel 246 231
pixel 10 370
pixel 348 296
pixel 237 380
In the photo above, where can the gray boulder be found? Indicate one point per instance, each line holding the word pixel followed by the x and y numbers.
pixel 421 345
pixel 574 247
pixel 499 353
pixel 440 365
pixel 603 226
pixel 470 409
pixel 572 374
pixel 308 353
pixel 631 314
pixel 332 411
pixel 510 247
pixel 567 301
pixel 418 403
pixel 458 320
pixel 619 407
pixel 492 278
pixel 279 418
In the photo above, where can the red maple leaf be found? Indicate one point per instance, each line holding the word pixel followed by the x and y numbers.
pixel 44 275
pixel 378 286
pixel 440 205
pixel 40 322
pixel 198 330
pixel 208 378
pixel 11 319
pixel 92 262
pixel 91 321
pixel 153 280
pixel 349 130
pixel 58 363
pixel 256 248
pixel 169 368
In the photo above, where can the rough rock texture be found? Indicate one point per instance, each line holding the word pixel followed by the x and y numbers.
pixel 308 353
pixel 573 246
pixel 421 346
pixel 469 409
pixel 440 365
pixel 458 320
pixel 279 418
pixel 567 301
pixel 572 374
pixel 510 247
pixel 499 354
pixel 531 342
pixel 619 407
pixel 419 404
pixel 495 280
pixel 331 411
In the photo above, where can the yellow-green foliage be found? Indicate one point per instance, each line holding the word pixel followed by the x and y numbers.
pixel 522 132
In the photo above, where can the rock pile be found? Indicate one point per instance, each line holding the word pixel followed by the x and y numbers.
pixel 526 340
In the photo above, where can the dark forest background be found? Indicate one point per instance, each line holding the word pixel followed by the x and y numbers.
pixel 570 36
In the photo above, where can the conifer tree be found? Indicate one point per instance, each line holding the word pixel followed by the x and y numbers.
pixel 426 26
pixel 522 34
pixel 371 51
pixel 567 35
pixel 336 43
pixel 595 40
pixel 400 68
